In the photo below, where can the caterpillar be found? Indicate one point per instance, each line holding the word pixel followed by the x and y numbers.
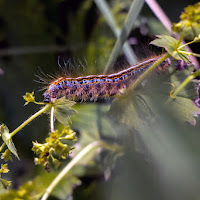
pixel 93 87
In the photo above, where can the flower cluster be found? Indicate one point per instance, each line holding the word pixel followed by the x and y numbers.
pixel 57 145
pixel 190 22
pixel 4 169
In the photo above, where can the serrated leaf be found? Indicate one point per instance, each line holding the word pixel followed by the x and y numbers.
pixel 92 123
pixel 131 111
pixel 171 45
pixel 6 138
pixel 165 41
pixel 145 104
pixel 63 110
pixel 185 108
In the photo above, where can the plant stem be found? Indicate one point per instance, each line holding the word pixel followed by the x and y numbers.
pixel 69 166
pixel 2 146
pixel 180 40
pixel 39 103
pixel 184 83
pixel 189 53
pixel 52 119
pixel 45 108
pixel 186 44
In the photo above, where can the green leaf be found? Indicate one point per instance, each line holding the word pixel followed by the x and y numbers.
pixel 166 42
pixel 130 111
pixel 177 77
pixel 171 45
pixel 185 108
pixel 5 183
pixel 181 107
pixel 92 123
pixel 7 139
pixel 144 104
pixel 63 110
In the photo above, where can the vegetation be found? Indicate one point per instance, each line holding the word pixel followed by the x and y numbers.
pixel 144 143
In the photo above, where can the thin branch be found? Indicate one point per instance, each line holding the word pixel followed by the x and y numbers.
pixel 45 108
pixel 2 146
pixel 52 119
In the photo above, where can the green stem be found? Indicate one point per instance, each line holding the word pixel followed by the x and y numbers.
pixel 179 41
pixel 44 109
pixel 69 166
pixel 39 103
pixel 189 53
pixel 52 119
pixel 148 71
pixel 186 44
pixel 2 146
pixel 184 83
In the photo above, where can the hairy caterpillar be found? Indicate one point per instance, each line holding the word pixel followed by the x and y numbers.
pixel 97 86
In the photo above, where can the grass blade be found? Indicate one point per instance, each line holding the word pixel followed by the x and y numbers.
pixel 134 11
pixel 105 11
